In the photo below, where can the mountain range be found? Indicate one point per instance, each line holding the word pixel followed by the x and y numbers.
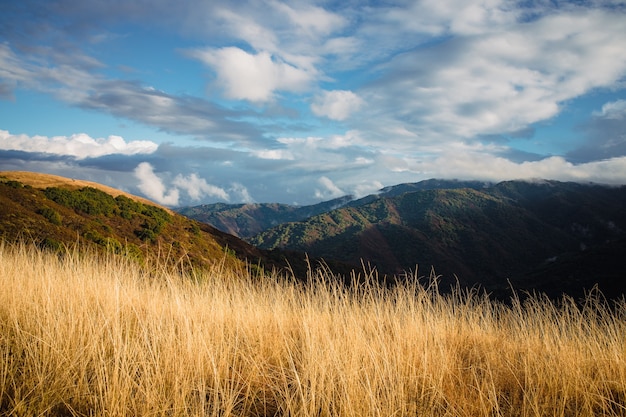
pixel 547 236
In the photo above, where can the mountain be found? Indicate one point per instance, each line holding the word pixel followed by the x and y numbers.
pixel 56 212
pixel 247 220
pixel 531 235
pixel 431 184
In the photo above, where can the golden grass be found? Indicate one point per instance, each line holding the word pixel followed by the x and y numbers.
pixel 89 336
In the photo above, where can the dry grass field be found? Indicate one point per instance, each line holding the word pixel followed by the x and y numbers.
pixel 90 336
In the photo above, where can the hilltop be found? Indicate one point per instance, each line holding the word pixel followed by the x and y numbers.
pixel 42 181
pixel 55 213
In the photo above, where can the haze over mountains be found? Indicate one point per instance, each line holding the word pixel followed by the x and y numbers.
pixel 544 235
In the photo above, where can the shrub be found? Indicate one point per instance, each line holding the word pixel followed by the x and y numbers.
pixel 51 215
pixel 127 207
pixel 146 234
pixel 88 200
pixel 14 184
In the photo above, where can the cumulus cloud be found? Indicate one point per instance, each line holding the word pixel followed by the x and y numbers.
pixel 253 77
pixel 329 190
pixel 79 146
pixel 193 185
pixel 336 104
pixel 241 192
pixel 153 187
pixel 198 188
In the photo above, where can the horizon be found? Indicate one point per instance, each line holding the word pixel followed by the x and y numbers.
pixel 300 102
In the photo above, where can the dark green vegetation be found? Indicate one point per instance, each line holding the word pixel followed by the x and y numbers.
pixel 548 236
pixel 246 220
pixel 58 217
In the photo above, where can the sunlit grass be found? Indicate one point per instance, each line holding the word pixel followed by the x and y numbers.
pixel 90 336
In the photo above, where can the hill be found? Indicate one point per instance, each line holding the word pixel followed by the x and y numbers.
pixel 55 212
pixel 247 220
pixel 39 180
pixel 533 235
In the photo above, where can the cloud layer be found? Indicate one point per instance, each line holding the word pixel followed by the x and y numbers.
pixel 296 101
pixel 79 146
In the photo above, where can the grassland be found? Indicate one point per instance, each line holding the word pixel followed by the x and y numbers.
pixel 88 335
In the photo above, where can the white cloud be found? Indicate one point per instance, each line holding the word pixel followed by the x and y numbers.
pixel 198 188
pixel 155 188
pixel 248 29
pixel 364 188
pixel 152 186
pixel 501 81
pixel 329 190
pixel 242 192
pixel 275 154
pixel 336 104
pixel 253 77
pixel 436 17
pixel 312 20
pixel 79 146
pixel 615 110
pixel 490 167
pixel 305 145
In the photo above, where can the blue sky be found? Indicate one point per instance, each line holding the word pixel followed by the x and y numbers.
pixel 192 102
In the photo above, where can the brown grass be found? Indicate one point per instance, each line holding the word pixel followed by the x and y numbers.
pixel 89 336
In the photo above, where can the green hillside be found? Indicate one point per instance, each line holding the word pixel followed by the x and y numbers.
pixel 247 220
pixel 56 213
pixel 494 237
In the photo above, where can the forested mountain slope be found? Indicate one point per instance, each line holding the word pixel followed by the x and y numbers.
pixel 247 220
pixel 512 233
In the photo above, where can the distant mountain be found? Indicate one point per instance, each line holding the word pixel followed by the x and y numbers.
pixel 532 235
pixel 55 212
pixel 431 184
pixel 247 220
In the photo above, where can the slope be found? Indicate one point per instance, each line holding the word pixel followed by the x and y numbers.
pixel 247 220
pixel 492 236
pixel 56 212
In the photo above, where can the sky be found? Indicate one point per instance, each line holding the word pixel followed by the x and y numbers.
pixel 189 102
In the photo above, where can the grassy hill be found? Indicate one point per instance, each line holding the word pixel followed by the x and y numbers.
pixel 55 213
pixel 490 236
